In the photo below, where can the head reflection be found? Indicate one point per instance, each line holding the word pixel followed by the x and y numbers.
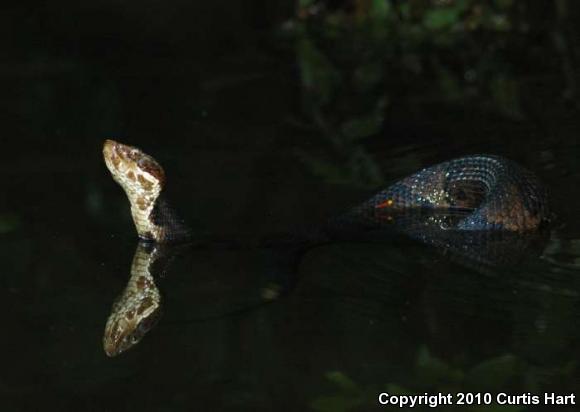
pixel 137 310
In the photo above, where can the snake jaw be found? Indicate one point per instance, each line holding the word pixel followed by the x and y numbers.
pixel 142 179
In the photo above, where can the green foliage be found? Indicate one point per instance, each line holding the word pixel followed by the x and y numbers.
pixel 359 61
pixel 319 77
pixel 432 371
pixel 364 125
pixel 359 169
pixel 9 222
pixel 380 10
pixel 493 374
pixel 434 375
pixel 350 397
pixel 440 18
pixel 305 3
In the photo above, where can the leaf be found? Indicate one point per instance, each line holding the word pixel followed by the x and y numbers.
pixel 365 125
pixel 8 223
pixel 438 19
pixel 305 3
pixel 342 381
pixel 364 169
pixel 380 9
pixel 317 73
pixel 433 371
pixel 444 17
pixel 492 374
pixel 361 169
pixel 323 168
pixel 362 126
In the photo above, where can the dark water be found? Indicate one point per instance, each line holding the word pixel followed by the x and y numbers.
pixel 228 124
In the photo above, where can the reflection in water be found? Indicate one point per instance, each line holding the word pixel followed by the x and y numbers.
pixel 563 253
pixel 512 330
pixel 481 250
pixel 138 308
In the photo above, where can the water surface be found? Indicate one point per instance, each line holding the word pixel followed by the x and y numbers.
pixel 355 320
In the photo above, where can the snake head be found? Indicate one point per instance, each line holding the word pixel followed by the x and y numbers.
pixel 142 178
pixel 130 166
pixel 128 324
pixel 138 308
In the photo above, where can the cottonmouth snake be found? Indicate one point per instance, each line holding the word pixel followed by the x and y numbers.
pixel 479 207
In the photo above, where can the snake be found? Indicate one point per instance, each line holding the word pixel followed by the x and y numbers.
pixel 482 207
pixel 138 308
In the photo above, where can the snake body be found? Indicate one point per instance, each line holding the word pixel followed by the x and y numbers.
pixel 480 192
pixel 480 207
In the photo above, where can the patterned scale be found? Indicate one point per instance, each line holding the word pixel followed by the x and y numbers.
pixel 473 193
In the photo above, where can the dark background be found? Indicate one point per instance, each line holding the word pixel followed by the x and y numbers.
pixel 269 115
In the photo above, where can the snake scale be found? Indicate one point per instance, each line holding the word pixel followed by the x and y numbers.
pixel 481 207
